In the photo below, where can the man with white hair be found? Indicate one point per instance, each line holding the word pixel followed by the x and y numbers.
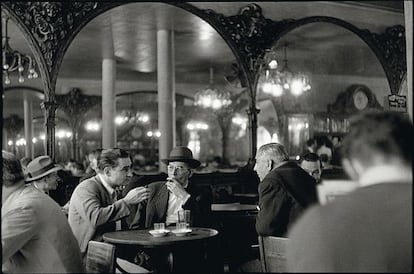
pixel 369 229
pixel 285 190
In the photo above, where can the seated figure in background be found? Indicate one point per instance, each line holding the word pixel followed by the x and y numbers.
pixel 35 235
pixel 285 190
pixel 370 228
pixel 312 164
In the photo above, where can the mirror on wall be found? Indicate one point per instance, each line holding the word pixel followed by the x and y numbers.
pixel 336 62
pixel 202 61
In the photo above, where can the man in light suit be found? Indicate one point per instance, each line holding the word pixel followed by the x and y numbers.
pixel 35 234
pixel 285 190
pixel 370 228
pixel 94 207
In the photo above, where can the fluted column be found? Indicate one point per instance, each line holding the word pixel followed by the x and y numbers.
pixel 166 93
pixel 108 92
pixel 28 125
pixel 408 12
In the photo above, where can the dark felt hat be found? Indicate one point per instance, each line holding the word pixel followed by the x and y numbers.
pixel 182 154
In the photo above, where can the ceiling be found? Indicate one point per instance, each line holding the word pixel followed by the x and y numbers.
pixel 318 48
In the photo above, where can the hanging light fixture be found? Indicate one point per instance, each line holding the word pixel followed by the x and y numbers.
pixel 212 97
pixel 13 60
pixel 275 82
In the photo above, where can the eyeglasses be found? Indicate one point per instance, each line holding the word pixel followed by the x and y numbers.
pixel 178 168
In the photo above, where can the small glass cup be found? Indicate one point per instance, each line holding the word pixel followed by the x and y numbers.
pixel 159 226
pixel 180 226
pixel 184 216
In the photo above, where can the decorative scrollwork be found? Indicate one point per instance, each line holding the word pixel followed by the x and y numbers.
pixel 250 32
pixel 391 47
pixel 51 23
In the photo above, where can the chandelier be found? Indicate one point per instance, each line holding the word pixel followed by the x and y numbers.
pixel 212 97
pixel 276 82
pixel 13 60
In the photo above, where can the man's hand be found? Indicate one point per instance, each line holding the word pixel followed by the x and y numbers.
pixel 175 187
pixel 136 195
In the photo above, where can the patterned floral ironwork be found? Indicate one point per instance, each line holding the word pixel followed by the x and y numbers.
pixel 391 47
pixel 51 23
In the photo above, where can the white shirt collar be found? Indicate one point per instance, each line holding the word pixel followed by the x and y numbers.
pixel 106 185
pixel 386 174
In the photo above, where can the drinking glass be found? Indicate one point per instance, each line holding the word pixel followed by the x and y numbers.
pixel 159 226
pixel 184 216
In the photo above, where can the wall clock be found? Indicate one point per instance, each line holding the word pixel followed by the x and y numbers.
pixel 360 99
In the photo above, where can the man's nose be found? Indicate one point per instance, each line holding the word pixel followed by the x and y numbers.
pixel 129 174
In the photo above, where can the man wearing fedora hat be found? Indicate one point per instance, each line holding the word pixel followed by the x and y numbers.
pixel 35 234
pixel 41 172
pixel 168 197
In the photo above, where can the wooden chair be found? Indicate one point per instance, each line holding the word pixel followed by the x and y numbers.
pixel 273 253
pixel 100 258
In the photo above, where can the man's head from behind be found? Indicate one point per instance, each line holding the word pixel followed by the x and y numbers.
pixel 267 157
pixel 12 173
pixel 377 138
pixel 115 165
pixel 312 164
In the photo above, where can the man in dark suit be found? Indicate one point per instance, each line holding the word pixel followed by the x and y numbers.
pixel 369 229
pixel 166 198
pixel 285 190
pixel 94 208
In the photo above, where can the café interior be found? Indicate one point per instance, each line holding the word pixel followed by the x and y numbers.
pixel 222 78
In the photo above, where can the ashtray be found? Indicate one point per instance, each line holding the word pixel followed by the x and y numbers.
pixel 159 233
pixel 181 232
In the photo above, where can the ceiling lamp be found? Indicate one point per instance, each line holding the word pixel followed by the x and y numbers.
pixel 212 97
pixel 276 82
pixel 13 60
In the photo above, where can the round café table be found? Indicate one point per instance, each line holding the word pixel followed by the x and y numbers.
pixel 198 238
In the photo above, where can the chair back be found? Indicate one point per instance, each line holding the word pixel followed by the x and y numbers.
pixel 100 257
pixel 273 253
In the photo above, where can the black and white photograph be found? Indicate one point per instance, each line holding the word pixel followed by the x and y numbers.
pixel 207 137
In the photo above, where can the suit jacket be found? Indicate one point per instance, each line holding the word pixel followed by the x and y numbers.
pixel 283 195
pixel 155 209
pixel 92 212
pixel 36 236
pixel 367 230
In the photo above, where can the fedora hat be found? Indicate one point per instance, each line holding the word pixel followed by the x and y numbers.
pixel 40 167
pixel 182 154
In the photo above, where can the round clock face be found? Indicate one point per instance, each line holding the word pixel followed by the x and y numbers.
pixel 360 100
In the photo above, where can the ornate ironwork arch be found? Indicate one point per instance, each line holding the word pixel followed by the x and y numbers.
pixel 388 47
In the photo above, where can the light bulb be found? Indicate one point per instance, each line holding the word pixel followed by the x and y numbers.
pixel 21 68
pixel 21 79
pixel 7 81
pixel 35 75
pixel 6 66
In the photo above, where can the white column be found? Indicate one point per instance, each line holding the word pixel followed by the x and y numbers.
pixel 28 125
pixel 108 91
pixel 166 93
pixel 408 12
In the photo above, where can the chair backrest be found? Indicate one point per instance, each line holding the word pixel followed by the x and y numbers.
pixel 100 257
pixel 273 253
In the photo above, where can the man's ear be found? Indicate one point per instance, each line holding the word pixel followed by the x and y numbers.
pixel 191 172
pixel 107 171
pixel 350 169
pixel 270 164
